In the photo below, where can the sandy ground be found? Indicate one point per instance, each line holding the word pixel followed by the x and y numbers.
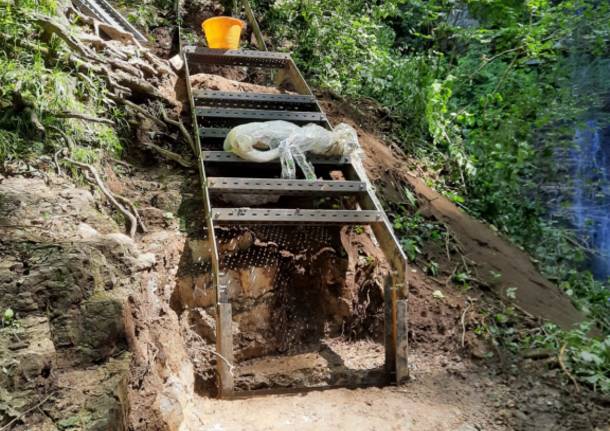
pixel 435 401
pixel 443 394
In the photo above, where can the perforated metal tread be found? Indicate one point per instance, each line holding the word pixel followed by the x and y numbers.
pixel 240 116
pixel 230 57
pixel 228 157
pixel 284 186
pixel 229 99
pixel 104 12
pixel 294 216
pixel 214 132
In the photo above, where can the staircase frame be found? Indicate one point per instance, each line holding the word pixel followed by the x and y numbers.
pixel 370 210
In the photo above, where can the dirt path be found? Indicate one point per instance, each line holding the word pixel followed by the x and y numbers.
pixel 436 400
pixel 446 393
pixel 341 409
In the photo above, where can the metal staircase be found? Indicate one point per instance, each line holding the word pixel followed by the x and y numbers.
pixel 104 12
pixel 213 114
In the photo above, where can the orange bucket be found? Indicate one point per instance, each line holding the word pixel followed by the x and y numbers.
pixel 223 32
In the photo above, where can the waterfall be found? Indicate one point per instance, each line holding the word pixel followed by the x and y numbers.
pixel 589 210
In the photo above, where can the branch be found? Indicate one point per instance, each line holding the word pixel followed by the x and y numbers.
pixel 133 223
pixel 463 321
pixel 84 117
pixel 565 369
pixel 169 155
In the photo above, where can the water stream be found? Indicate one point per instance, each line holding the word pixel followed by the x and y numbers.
pixel 589 210
pixel 584 164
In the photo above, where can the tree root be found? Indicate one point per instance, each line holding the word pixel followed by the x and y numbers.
pixel 185 134
pixel 169 155
pixel 134 210
pixel 25 413
pixel 133 222
pixel 84 117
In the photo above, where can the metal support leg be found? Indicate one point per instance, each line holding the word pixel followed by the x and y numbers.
pixel 402 342
pixel 389 294
pixel 224 347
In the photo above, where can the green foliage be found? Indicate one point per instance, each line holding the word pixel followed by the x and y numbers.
pixel 8 317
pixel 149 14
pixel 479 91
pixel 588 358
pixel 37 83
pixel 415 231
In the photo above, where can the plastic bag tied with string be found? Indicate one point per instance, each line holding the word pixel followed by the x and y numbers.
pixel 267 141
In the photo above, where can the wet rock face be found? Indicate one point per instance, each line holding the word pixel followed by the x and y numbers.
pixel 60 282
pixel 66 282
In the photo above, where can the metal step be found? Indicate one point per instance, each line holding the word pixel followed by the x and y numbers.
pixel 218 117
pixel 104 12
pixel 284 187
pixel 281 102
pixel 196 56
pixel 214 132
pixel 228 157
pixel 294 216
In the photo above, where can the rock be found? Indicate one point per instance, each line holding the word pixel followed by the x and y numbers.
pixel 145 261
pixel 102 330
pixel 176 63
pixel 86 232
pixel 167 200
pixel 33 357
pixel 521 416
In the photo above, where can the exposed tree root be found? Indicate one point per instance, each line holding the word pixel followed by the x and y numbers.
pixel 28 411
pixel 84 117
pixel 133 222
pixel 170 155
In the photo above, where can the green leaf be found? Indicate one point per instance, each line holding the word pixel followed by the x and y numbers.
pixel 591 358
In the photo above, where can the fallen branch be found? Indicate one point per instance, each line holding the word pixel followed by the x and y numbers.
pixel 565 369
pixel 463 321
pixel 133 223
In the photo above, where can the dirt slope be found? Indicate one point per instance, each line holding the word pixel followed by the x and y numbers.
pixel 498 264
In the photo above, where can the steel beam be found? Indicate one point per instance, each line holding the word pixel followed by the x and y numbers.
pixel 230 99
pixel 197 56
pixel 104 12
pixel 284 187
pixel 240 116
pixel 294 216
pixel 228 157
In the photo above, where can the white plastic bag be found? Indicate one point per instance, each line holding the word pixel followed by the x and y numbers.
pixel 263 142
